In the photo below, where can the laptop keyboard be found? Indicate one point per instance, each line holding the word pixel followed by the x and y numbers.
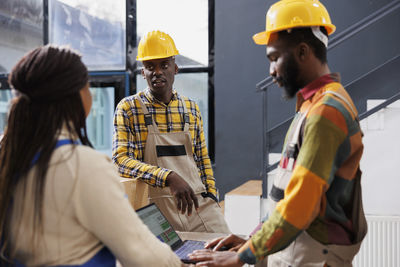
pixel 188 247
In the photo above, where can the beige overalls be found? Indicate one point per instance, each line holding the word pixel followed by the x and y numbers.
pixel 173 151
pixel 304 250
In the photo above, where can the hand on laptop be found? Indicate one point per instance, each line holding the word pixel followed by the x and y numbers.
pixel 211 258
pixel 183 193
pixel 230 242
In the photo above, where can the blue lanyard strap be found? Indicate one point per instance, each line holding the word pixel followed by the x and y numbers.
pixel 59 143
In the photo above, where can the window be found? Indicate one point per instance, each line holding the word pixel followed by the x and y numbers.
pixel 94 28
pixel 100 120
pixel 21 29
pixel 189 23
pixel 194 86
pixel 5 98
pixel 185 21
pixel 98 29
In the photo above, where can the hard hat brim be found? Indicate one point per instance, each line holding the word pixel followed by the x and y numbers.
pixel 155 57
pixel 261 38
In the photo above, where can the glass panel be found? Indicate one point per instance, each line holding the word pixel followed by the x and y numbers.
pixel 185 21
pixel 21 29
pixel 193 86
pixel 96 28
pixel 5 98
pixel 100 120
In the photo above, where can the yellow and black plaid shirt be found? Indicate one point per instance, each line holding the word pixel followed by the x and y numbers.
pixel 130 135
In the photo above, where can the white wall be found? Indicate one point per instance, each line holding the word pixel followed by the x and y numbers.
pixel 381 160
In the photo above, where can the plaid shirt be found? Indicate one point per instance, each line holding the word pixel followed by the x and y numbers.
pixel 130 135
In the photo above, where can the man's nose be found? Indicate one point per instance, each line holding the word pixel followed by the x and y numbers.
pixel 157 71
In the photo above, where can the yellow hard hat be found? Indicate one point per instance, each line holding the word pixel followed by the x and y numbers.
pixel 156 44
pixel 287 14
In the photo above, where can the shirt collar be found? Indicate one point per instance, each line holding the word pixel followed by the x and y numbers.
pixel 152 99
pixel 310 89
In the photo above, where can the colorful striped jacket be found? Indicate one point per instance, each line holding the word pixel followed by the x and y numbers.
pixel 320 188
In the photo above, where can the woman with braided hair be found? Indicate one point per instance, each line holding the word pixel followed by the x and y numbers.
pixel 61 202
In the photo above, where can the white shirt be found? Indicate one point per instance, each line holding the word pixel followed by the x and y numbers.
pixel 84 208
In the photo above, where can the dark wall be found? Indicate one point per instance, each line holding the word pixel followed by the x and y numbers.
pixel 240 65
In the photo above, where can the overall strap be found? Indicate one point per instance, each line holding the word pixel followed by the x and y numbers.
pixel 185 115
pixel 148 120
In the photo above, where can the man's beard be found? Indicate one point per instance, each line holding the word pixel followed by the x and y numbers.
pixel 289 78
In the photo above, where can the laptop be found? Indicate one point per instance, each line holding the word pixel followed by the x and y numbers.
pixel 162 229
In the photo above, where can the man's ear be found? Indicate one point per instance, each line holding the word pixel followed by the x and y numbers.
pixel 142 71
pixel 303 51
pixel 176 69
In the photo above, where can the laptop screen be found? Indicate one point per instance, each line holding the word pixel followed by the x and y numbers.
pixel 158 225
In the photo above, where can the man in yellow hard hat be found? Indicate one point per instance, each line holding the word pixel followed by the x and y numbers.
pixel 316 215
pixel 159 141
